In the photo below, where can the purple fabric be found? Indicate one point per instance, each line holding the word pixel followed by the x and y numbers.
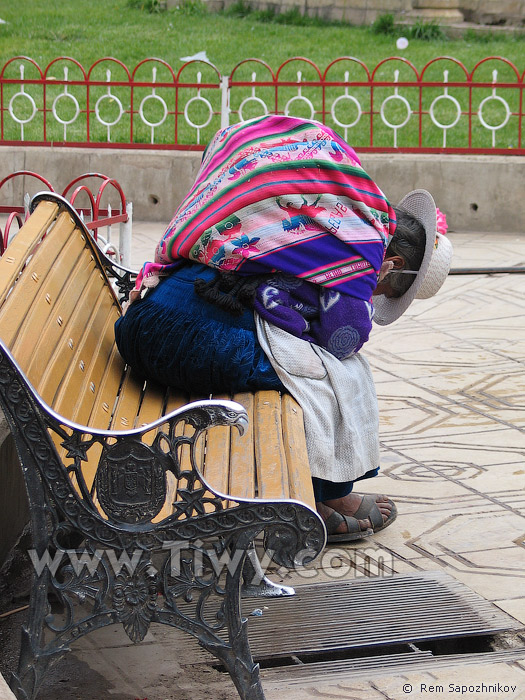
pixel 337 322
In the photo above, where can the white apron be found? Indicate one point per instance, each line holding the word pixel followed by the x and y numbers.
pixel 338 399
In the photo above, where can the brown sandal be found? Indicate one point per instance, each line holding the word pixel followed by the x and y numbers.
pixel 354 531
pixel 368 510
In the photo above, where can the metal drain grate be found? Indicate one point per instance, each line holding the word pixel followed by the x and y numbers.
pixel 399 609
pixel 347 669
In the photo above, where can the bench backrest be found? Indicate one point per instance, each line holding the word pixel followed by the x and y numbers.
pixel 57 313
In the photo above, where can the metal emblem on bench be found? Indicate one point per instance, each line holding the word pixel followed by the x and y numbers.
pixel 130 482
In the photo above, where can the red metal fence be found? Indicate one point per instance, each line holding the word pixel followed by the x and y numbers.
pixel 393 107
pixel 93 189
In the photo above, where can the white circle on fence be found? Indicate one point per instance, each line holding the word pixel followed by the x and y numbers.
pixel 31 100
pixel 210 109
pixel 111 98
pixel 480 112
pixel 75 102
pixel 351 99
pixel 407 105
pixel 458 111
pixel 141 110
pixel 252 99
pixel 299 98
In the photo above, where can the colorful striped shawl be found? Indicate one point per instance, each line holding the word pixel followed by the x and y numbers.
pixel 280 194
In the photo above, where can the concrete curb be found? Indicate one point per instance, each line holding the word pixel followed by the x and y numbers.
pixel 476 192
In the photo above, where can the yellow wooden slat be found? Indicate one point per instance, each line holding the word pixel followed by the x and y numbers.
pixel 76 396
pixel 242 456
pixel 87 342
pixel 70 336
pixel 15 257
pixel 17 306
pixel 128 403
pixel 151 408
pixel 218 455
pixel 176 399
pixel 96 372
pixel 272 473
pixel 57 297
pixel 108 387
pixel 299 475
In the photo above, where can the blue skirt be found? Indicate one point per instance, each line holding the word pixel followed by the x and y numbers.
pixel 178 339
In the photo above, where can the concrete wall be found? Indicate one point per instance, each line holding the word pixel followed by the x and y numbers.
pixel 483 193
pixel 366 11
pixel 494 12
pixel 352 11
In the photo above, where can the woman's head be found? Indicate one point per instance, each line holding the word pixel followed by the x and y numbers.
pixel 405 251
pixel 416 246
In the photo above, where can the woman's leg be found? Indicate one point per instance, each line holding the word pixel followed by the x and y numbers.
pixel 339 497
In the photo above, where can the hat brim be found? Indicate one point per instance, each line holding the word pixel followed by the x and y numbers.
pixel 421 205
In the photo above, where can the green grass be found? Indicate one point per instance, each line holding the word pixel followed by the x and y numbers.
pixel 88 31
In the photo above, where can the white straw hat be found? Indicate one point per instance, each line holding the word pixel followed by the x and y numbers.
pixel 434 266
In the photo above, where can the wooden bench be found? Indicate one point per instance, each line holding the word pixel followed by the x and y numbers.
pixel 118 470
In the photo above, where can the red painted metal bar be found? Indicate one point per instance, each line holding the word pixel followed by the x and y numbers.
pixel 100 216
pixel 4 237
pixel 317 90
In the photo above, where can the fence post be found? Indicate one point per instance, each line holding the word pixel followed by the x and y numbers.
pixel 225 101
pixel 124 244
pixel 27 201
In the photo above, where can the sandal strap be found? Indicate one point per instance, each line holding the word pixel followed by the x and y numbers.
pixel 352 524
pixel 368 509
pixel 335 519
pixel 332 522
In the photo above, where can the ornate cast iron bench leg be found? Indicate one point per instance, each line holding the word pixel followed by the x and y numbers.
pixel 94 587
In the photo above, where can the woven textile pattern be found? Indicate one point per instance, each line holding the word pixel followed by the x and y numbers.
pixel 281 194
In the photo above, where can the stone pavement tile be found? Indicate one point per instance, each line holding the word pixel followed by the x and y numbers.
pixel 474 682
pixel 166 666
pixel 446 378
pixel 342 690
pixel 473 249
pixel 502 560
pixel 505 477
pixel 410 417
pixel 418 487
pixel 389 386
pixel 494 301
pixel 144 238
pixel 468 455
pixel 340 563
pixel 490 584
pixel 459 532
pixel 514 607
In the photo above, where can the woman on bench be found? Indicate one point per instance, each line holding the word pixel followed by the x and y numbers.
pixel 269 276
